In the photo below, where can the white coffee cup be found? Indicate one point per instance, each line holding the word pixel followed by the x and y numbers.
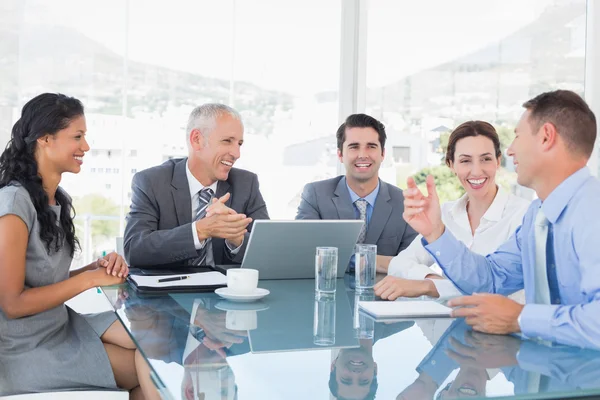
pixel 241 320
pixel 242 280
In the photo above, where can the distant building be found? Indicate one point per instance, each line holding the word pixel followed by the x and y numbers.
pixel 120 147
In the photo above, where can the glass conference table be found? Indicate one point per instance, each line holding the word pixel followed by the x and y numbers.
pixel 290 345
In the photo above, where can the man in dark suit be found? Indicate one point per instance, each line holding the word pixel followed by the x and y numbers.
pixel 196 210
pixel 360 194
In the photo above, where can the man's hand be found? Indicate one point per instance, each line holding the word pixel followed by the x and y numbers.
pixel 422 213
pixel 390 288
pixel 237 242
pixel 229 226
pixel 218 207
pixel 489 313
pixel 485 351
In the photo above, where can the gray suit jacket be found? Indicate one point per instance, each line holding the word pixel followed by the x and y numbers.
pixel 159 228
pixel 329 199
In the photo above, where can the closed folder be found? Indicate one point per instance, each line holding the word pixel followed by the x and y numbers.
pixel 382 310
pixel 196 282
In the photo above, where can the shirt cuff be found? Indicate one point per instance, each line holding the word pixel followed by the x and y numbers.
pixel 444 249
pixel 535 321
pixel 418 272
pixel 197 243
pixel 446 288
pixel 232 250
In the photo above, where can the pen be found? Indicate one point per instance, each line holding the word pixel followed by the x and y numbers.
pixel 176 278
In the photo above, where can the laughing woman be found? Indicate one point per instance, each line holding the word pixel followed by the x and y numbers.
pixel 484 218
pixel 45 345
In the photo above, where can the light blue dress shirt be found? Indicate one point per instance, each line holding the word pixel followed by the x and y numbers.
pixel 370 198
pixel 573 210
pixel 563 368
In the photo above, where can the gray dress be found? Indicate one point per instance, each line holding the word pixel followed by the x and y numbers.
pixel 57 349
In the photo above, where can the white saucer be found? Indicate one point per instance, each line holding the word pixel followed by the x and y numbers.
pixel 226 305
pixel 226 293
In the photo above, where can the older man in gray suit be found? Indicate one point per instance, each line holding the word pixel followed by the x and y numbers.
pixel 360 194
pixel 196 210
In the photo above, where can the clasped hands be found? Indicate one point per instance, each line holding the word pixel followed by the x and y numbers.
pixel 108 270
pixel 223 222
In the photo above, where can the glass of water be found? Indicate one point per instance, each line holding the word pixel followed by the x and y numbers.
pixel 365 257
pixel 324 321
pixel 364 327
pixel 326 263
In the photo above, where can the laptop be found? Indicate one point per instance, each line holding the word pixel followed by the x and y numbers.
pixel 286 249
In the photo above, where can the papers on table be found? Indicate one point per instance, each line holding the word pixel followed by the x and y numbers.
pixel 404 309
pixel 212 278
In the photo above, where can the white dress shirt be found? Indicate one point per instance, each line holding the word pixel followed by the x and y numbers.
pixel 195 188
pixel 499 222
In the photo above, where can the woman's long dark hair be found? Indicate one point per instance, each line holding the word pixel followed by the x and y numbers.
pixel 45 114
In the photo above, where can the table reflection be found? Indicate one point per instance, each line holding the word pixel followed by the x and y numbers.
pixel 354 371
pixel 294 345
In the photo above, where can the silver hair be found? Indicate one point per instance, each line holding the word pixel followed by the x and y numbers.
pixel 204 118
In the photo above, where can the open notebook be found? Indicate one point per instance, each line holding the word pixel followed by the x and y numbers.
pixel 201 281
pixel 404 309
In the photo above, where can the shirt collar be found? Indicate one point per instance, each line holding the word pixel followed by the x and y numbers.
pixel 370 198
pixel 460 206
pixel 496 209
pixel 194 184
pixel 556 202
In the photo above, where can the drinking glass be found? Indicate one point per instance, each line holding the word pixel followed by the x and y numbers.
pixel 326 263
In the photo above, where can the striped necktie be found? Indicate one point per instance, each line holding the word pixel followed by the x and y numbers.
pixel 204 197
pixel 361 205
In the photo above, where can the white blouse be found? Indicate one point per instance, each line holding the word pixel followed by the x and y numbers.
pixel 499 222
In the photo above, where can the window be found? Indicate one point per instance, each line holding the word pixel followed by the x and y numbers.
pixel 401 154
pixel 285 90
pixel 471 60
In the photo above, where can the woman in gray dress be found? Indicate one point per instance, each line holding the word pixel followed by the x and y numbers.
pixel 44 345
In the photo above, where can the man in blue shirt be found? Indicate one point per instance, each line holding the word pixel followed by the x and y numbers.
pixel 360 194
pixel 554 255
